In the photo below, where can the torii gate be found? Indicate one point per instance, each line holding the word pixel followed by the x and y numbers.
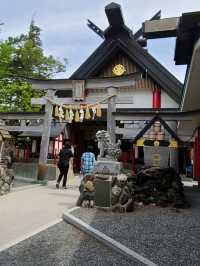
pixel 78 88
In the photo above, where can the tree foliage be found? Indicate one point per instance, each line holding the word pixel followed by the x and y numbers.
pixel 23 57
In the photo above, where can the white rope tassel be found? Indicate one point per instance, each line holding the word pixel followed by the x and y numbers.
pixel 71 115
pixel 93 112
pixel 81 115
pixel 60 113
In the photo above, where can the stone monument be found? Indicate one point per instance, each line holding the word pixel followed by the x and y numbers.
pixel 106 168
pixel 107 163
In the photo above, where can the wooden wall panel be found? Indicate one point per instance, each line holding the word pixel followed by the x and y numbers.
pixel 131 67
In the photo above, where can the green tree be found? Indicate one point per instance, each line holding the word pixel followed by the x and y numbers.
pixel 23 57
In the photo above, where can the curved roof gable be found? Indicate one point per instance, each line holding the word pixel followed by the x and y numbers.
pixel 118 37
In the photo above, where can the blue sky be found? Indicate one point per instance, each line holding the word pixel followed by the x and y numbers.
pixel 66 35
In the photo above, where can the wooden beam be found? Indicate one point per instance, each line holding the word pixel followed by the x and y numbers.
pixel 148 115
pixel 38 101
pixel 22 128
pixel 114 15
pixel 162 28
pixel 96 29
pixel 146 128
pixel 168 128
pixel 127 131
pixel 135 117
pixel 21 116
pixel 90 100
pixel 138 34
pixel 97 83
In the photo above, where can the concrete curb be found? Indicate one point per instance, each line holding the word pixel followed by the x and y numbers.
pixel 26 180
pixel 106 240
pixel 190 183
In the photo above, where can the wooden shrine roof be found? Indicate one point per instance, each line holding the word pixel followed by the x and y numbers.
pixel 119 38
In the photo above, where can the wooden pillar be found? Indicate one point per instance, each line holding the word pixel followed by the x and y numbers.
pixel 174 152
pixel 133 160
pixel 174 159
pixel 1 149
pixel 46 129
pixel 111 108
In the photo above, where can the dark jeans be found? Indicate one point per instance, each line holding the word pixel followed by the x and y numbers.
pixel 63 174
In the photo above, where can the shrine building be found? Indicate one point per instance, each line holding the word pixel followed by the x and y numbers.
pixel 121 88
pixel 121 54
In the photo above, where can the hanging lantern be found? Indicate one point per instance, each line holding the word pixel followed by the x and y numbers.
pixel 77 118
pixel 87 113
pixel 98 110
pixel 66 115
pixel 56 111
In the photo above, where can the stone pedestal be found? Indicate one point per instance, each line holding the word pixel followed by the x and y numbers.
pixel 107 167
pixel 104 171
pixel 103 190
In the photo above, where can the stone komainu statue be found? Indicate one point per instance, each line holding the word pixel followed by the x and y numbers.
pixel 108 150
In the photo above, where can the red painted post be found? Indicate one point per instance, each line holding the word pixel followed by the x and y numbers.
pixel 17 153
pixel 24 154
pixel 197 157
pixel 156 98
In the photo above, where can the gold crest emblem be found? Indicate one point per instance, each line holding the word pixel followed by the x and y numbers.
pixel 118 70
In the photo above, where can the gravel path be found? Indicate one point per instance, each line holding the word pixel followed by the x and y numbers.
pixel 160 234
pixel 61 245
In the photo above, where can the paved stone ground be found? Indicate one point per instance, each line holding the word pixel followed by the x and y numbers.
pixel 160 234
pixel 29 207
pixel 19 183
